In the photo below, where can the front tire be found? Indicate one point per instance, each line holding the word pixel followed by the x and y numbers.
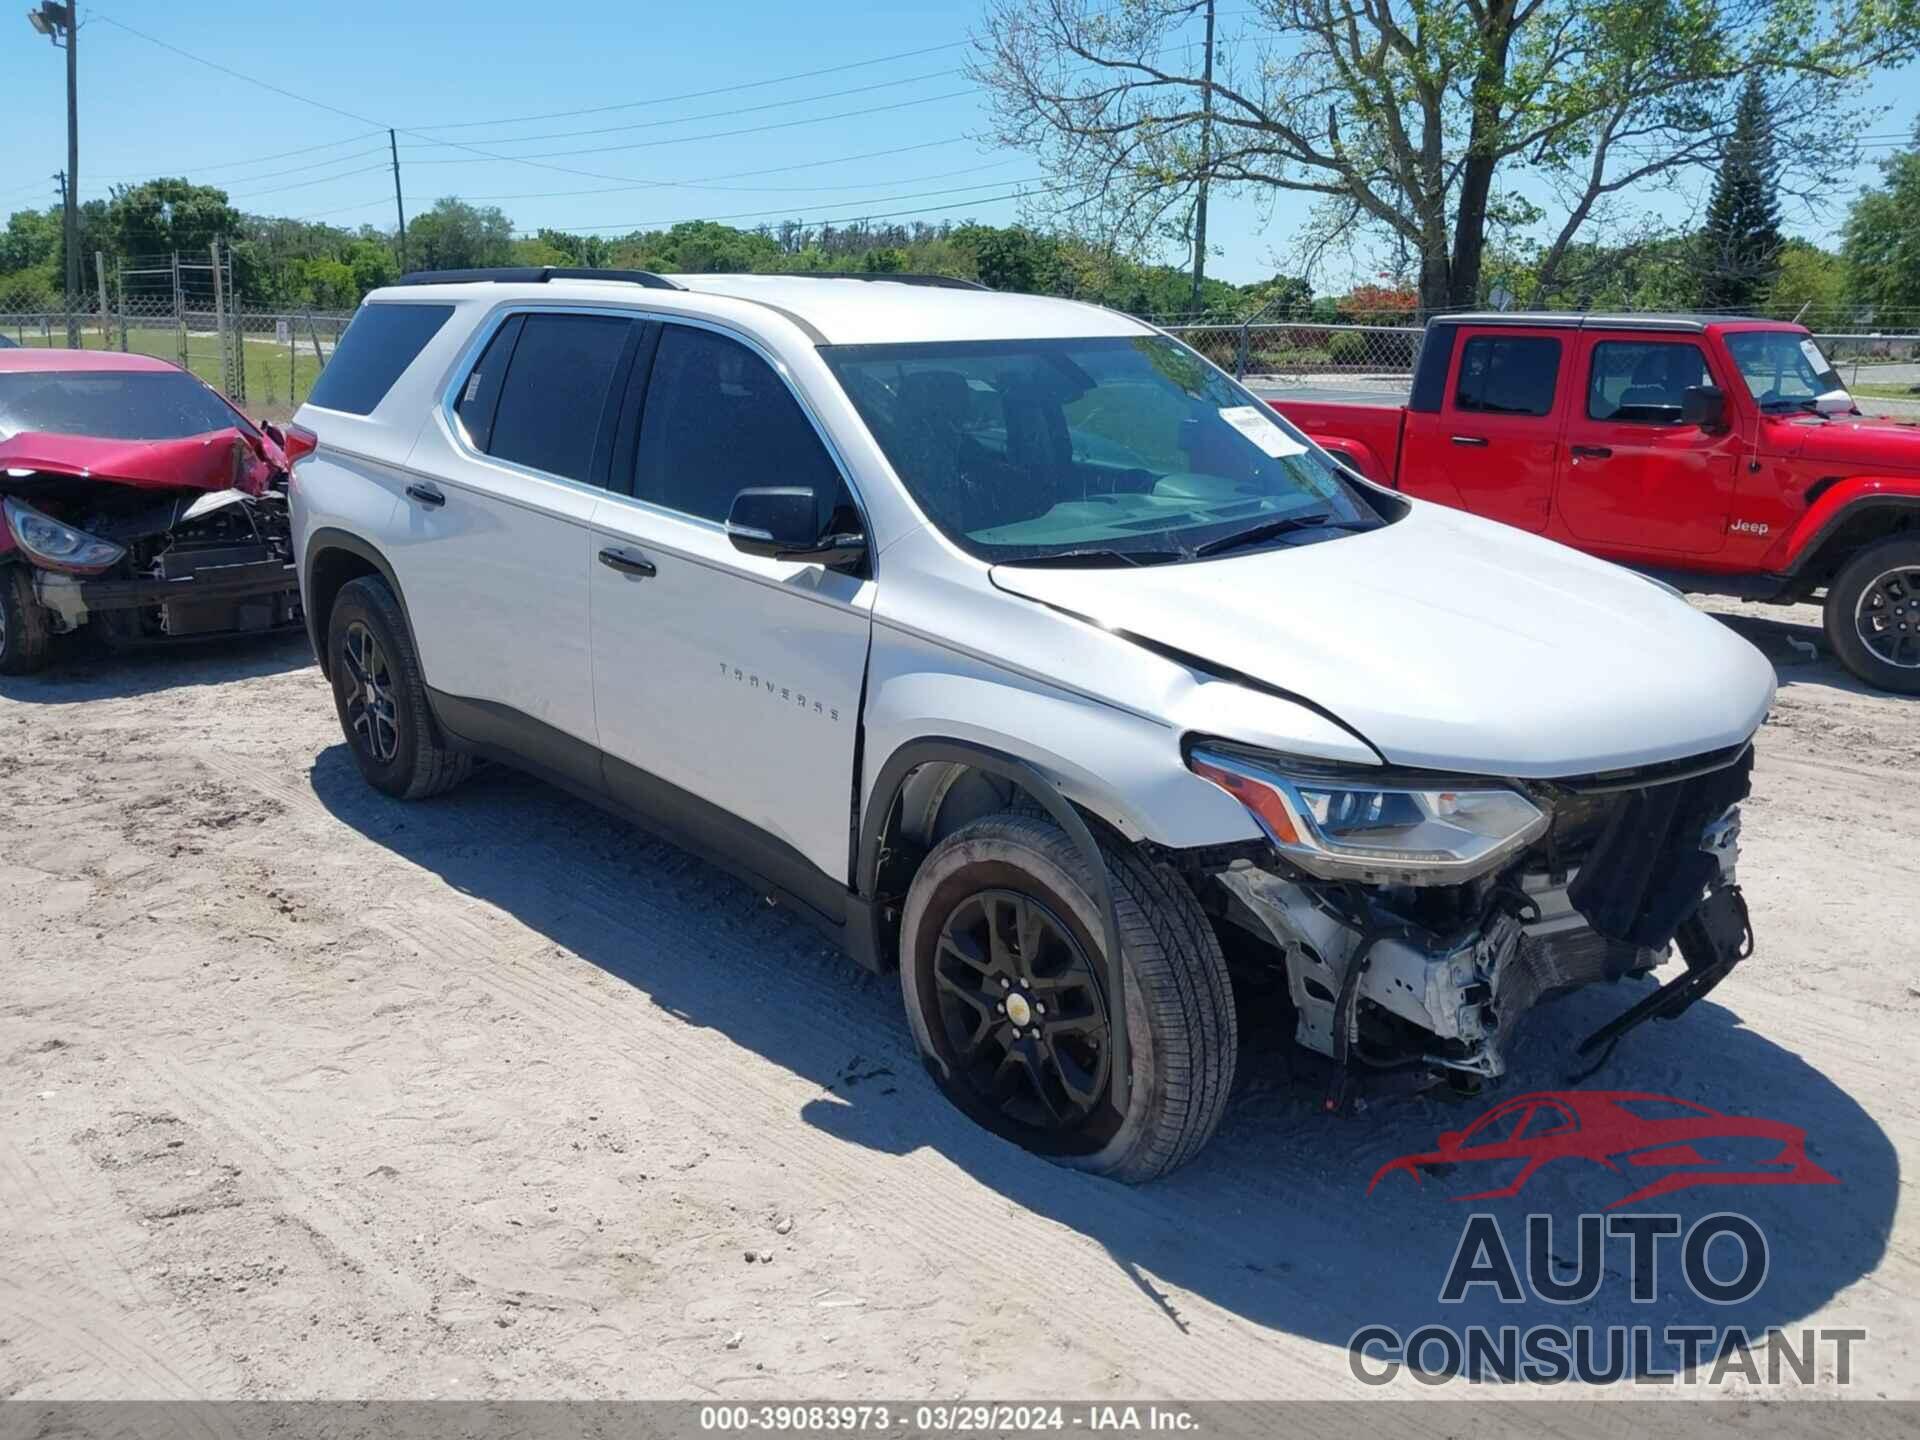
pixel 24 632
pixel 1873 615
pixel 1002 977
pixel 382 699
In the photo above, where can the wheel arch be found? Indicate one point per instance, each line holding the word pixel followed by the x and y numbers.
pixel 1847 518
pixel 334 559
pixel 882 819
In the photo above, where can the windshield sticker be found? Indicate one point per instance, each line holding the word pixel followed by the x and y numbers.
pixel 1254 422
pixel 1814 357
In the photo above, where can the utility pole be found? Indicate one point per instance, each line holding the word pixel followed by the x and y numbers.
pixel 59 24
pixel 1206 166
pixel 399 209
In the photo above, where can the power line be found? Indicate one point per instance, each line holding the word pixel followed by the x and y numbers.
pixel 255 160
pixel 699 94
pixel 791 213
pixel 709 115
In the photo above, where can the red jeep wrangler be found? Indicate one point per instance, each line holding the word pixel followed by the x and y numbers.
pixel 1722 456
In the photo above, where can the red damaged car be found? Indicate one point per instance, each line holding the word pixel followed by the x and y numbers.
pixel 137 501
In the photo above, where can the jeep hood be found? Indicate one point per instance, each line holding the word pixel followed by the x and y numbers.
pixel 1447 642
pixel 1859 442
pixel 227 459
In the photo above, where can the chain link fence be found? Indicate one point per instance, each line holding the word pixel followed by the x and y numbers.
pixel 1882 370
pixel 264 360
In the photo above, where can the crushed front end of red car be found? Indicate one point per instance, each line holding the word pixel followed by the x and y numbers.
pixel 144 536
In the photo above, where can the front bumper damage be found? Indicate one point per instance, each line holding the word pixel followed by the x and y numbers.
pixel 1429 986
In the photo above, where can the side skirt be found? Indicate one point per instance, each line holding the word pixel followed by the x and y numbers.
pixel 768 864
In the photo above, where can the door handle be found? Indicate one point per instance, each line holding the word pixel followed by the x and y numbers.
pixel 426 495
pixel 1592 452
pixel 1470 440
pixel 628 564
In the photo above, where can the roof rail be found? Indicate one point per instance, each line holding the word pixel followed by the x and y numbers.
pixel 932 282
pixel 535 275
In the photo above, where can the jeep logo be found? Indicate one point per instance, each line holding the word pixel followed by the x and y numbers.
pixel 1748 527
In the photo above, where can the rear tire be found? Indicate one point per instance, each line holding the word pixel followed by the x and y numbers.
pixel 1873 615
pixel 1007 898
pixel 382 699
pixel 24 632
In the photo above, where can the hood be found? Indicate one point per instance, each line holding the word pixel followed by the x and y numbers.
pixel 1449 642
pixel 227 459
pixel 1856 441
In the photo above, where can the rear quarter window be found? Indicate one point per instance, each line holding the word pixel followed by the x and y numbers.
pixel 380 343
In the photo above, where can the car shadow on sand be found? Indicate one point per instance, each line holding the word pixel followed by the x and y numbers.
pixel 1273 1222
pixel 1800 653
pixel 83 670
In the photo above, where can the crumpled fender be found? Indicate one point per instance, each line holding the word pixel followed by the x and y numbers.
pixel 228 459
pixel 1799 543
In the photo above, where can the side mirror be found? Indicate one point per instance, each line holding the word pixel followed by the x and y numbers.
pixel 782 523
pixel 1703 405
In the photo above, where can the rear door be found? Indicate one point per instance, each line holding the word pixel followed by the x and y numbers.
pixel 493 545
pixel 727 686
pixel 1635 480
pixel 1493 446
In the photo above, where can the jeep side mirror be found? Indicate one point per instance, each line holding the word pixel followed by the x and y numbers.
pixel 782 522
pixel 1703 405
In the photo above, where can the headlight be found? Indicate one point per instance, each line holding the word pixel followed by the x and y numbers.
pixel 54 546
pixel 1344 824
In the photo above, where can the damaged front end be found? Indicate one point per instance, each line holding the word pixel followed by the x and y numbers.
pixel 150 542
pixel 1418 917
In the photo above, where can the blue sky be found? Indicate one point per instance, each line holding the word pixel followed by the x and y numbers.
pixel 146 111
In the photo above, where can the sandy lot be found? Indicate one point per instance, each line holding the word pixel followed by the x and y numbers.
pixel 310 1093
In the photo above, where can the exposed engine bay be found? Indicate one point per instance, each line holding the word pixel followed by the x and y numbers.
pixel 154 542
pixel 1412 985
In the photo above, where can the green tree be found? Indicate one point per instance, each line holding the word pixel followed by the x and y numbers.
pixel 32 238
pixel 373 265
pixel 1810 282
pixel 454 235
pixel 169 215
pixel 1410 120
pixel 1739 243
pixel 1881 242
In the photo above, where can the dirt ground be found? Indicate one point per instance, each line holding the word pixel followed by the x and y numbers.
pixel 308 1093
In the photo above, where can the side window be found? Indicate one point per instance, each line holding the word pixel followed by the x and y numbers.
pixel 553 396
pixel 1643 381
pixel 717 420
pixel 480 395
pixel 1508 375
pixel 380 342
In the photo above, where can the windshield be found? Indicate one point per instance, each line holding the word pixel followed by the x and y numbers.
pixel 1121 450
pixel 112 404
pixel 1780 366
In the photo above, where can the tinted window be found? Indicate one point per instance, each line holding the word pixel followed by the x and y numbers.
pixel 480 394
pixel 1508 374
pixel 160 405
pixel 717 421
pixel 379 344
pixel 1643 381
pixel 555 392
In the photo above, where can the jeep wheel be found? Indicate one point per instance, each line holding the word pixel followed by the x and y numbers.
pixel 1001 972
pixel 381 698
pixel 1873 615
pixel 23 623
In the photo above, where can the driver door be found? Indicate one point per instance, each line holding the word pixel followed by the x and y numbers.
pixel 1634 480
pixel 726 686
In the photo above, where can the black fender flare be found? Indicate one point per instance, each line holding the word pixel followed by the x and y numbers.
pixel 329 538
pixel 1810 553
pixel 933 750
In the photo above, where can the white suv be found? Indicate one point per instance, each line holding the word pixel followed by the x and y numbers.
pixel 1007 637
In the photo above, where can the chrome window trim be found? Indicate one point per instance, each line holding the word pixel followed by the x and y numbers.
pixel 469 357
pixel 482 336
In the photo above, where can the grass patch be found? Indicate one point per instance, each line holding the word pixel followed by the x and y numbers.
pixel 275 383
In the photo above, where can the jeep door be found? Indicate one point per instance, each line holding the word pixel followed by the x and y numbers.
pixel 727 686
pixel 1494 444
pixel 492 546
pixel 1636 480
